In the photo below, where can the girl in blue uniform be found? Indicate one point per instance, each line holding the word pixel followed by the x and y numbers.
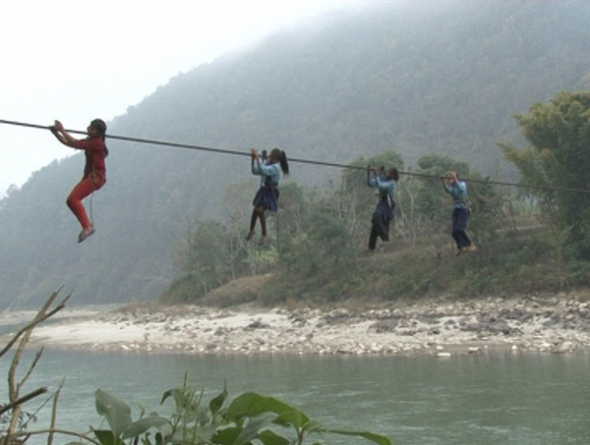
pixel 458 190
pixel 268 194
pixel 383 214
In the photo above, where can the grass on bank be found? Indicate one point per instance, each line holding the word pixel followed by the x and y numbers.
pixel 516 262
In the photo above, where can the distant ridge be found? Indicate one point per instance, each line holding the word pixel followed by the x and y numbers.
pixel 426 76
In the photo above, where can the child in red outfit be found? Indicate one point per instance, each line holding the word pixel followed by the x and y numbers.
pixel 94 177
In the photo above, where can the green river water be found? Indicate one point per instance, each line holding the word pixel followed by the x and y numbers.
pixel 491 398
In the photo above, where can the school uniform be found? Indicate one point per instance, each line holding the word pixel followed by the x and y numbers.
pixel 460 213
pixel 268 193
pixel 383 214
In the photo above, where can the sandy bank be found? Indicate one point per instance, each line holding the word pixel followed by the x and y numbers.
pixel 546 324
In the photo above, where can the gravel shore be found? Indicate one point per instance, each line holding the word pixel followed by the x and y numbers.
pixel 551 324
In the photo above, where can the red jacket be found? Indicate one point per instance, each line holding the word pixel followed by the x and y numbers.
pixel 95 152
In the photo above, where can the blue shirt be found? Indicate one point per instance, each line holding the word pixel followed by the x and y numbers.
pixel 459 193
pixel 269 173
pixel 385 187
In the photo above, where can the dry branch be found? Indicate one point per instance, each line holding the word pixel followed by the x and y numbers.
pixel 57 431
pixel 23 399
pixel 14 387
pixel 38 319
pixel 54 411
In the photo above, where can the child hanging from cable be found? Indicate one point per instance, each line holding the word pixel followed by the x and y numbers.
pixel 458 190
pixel 268 194
pixel 94 177
pixel 386 185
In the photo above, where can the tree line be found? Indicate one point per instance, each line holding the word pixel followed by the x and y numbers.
pixel 530 240
pixel 431 77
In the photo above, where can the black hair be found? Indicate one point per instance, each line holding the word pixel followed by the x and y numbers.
pixel 394 174
pixel 101 127
pixel 282 157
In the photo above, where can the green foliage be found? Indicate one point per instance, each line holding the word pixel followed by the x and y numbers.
pixel 355 179
pixel 116 413
pixel 430 201
pixel 118 416
pixel 559 155
pixel 320 255
pixel 249 419
pixel 184 289
pixel 433 76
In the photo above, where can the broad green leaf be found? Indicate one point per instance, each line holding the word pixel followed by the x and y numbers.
pixel 107 438
pixel 116 412
pixel 269 437
pixel 251 405
pixel 217 402
pixel 142 425
pixel 290 418
pixel 375 438
pixel 252 428
pixel 227 436
pixel 313 427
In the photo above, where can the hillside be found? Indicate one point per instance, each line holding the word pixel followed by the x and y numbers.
pixel 433 76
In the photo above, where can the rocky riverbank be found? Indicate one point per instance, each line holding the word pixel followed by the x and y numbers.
pixel 555 324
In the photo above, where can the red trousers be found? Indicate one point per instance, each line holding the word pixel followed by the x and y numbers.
pixel 84 188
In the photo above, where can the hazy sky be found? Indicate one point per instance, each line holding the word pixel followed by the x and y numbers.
pixel 75 60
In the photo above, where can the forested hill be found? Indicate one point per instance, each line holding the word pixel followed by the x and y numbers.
pixel 415 77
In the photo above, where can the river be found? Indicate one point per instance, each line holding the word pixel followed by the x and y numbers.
pixel 490 398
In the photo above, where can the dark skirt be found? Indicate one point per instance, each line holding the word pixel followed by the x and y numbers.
pixel 267 197
pixel 380 222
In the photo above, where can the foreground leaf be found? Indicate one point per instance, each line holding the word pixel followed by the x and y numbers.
pixel 142 425
pixel 375 438
pixel 269 437
pixel 290 418
pixel 252 405
pixel 217 402
pixel 227 436
pixel 116 412
pixel 107 438
pixel 251 430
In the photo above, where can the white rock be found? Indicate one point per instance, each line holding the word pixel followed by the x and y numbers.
pixel 443 354
pixel 566 346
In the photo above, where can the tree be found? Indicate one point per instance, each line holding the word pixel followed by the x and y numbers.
pixel 559 134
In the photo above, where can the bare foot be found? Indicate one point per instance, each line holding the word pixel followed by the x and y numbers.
pixel 250 235
pixel 263 240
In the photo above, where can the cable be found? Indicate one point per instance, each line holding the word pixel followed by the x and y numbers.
pixel 300 160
